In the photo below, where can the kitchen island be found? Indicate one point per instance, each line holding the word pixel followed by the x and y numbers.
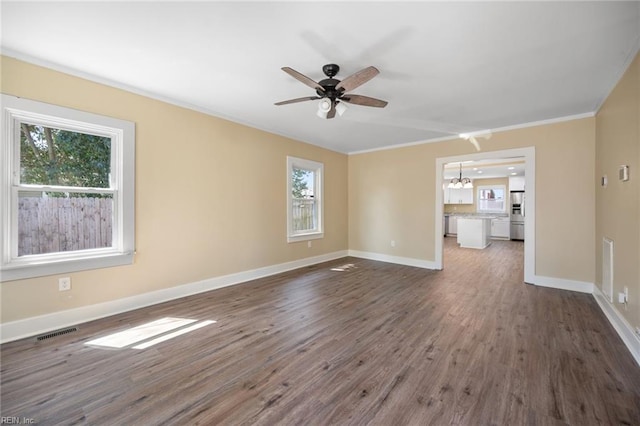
pixel 474 231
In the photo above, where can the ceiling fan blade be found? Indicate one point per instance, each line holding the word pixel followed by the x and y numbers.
pixel 293 101
pixel 332 111
pixel 364 100
pixel 357 79
pixel 303 78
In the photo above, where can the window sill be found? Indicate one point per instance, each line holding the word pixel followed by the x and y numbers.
pixel 305 237
pixel 32 269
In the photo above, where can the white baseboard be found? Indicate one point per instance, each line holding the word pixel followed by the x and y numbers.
pixel 28 327
pixel 563 284
pixel 44 323
pixel 619 323
pixel 408 261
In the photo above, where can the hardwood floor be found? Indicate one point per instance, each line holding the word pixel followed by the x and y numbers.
pixel 374 344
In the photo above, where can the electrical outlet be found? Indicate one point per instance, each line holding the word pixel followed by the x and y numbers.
pixel 393 243
pixel 621 298
pixel 64 284
pixel 308 244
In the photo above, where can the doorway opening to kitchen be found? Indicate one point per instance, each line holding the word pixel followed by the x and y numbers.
pixel 476 207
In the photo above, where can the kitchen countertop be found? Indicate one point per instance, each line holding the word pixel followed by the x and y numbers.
pixel 478 215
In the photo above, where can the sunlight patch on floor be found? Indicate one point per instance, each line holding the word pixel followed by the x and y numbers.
pixel 173 334
pixel 142 334
pixel 343 268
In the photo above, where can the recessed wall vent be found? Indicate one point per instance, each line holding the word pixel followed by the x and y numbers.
pixel 607 268
pixel 56 333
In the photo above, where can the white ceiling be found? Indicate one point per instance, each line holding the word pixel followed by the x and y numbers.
pixel 445 68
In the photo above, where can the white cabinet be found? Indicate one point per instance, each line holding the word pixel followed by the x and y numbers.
pixel 500 227
pixel 516 183
pixel 447 195
pixel 453 225
pixel 458 196
pixel 473 232
pixel 466 195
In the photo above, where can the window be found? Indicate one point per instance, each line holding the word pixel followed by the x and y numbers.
pixel 491 199
pixel 67 190
pixel 304 199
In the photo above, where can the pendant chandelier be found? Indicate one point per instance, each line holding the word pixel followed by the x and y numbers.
pixel 460 182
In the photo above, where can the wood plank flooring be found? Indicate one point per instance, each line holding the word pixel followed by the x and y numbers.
pixel 376 344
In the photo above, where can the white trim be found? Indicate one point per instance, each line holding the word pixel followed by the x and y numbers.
pixel 122 182
pixel 404 145
pixel 494 131
pixel 152 95
pixel 28 327
pixel 408 261
pixel 619 323
pixel 562 284
pixel 121 86
pixel 318 196
pixel 505 200
pixel 147 94
pixel 546 122
pixel 529 155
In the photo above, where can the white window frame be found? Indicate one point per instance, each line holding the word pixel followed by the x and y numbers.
pixel 122 134
pixel 318 169
pixel 489 187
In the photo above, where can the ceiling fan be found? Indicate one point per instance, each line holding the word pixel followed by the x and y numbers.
pixel 333 91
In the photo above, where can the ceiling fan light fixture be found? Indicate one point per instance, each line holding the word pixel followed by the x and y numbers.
pixel 324 106
pixel 341 108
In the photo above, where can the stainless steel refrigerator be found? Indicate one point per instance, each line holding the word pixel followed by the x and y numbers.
pixel 517 214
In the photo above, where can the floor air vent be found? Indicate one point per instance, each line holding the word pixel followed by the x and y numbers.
pixel 56 333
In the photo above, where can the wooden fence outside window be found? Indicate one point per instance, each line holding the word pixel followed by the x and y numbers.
pixel 304 214
pixel 50 225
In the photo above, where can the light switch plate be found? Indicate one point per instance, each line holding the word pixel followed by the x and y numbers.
pixel 623 173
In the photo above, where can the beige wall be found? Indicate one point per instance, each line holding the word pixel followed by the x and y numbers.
pixel 210 196
pixel 618 205
pixel 208 189
pixel 471 208
pixel 392 193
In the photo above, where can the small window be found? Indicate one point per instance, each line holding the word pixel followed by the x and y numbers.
pixel 304 199
pixel 491 199
pixel 67 193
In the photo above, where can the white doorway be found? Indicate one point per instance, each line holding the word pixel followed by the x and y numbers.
pixel 529 241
